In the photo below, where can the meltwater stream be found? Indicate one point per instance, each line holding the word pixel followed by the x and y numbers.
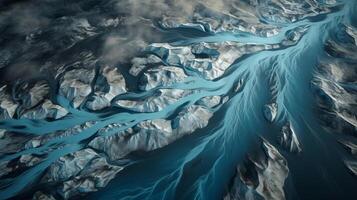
pixel 185 109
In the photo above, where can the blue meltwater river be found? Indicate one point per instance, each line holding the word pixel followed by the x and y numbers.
pixel 133 100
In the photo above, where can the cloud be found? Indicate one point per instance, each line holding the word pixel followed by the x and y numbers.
pixel 134 30
pixel 24 18
pixel 119 49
